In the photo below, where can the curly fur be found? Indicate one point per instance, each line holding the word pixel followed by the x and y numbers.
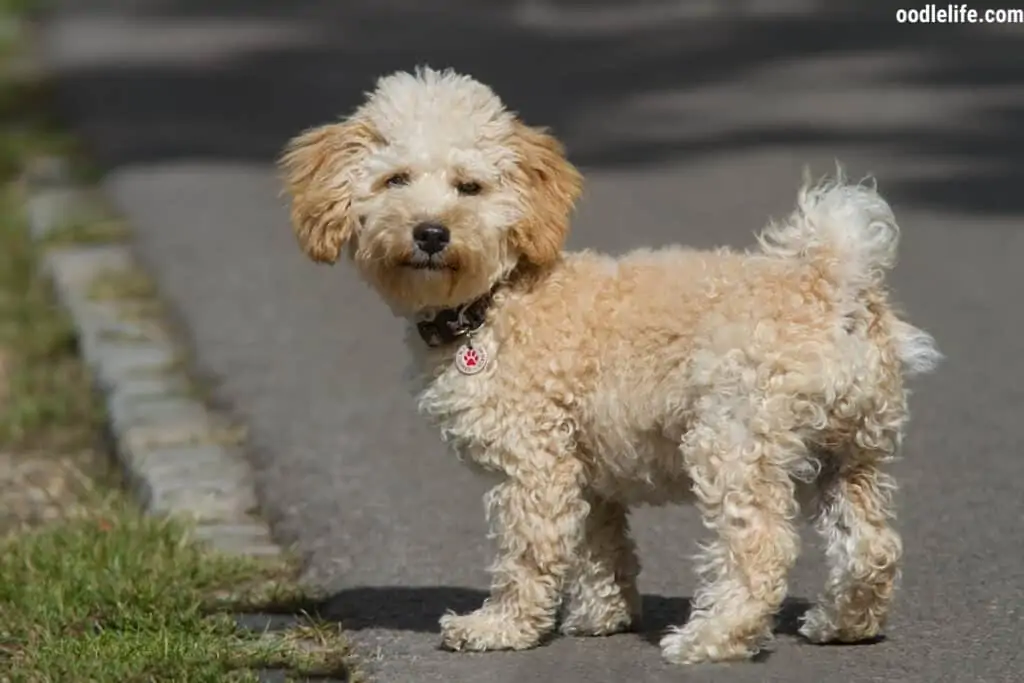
pixel 721 379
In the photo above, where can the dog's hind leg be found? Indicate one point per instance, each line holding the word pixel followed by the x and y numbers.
pixel 602 596
pixel 740 464
pixel 862 548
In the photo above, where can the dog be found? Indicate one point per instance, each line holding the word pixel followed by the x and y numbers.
pixel 755 385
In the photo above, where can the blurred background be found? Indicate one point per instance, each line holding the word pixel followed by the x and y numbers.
pixel 626 84
pixel 692 121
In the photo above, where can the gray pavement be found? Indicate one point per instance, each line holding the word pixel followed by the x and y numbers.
pixel 692 121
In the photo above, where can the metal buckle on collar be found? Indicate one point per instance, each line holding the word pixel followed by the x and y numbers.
pixel 451 324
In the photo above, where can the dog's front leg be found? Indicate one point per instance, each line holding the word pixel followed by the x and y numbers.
pixel 538 517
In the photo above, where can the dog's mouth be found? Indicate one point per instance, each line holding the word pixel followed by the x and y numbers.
pixel 428 264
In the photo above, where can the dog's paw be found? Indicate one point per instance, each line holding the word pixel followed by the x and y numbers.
pixel 598 622
pixel 821 626
pixel 817 626
pixel 484 630
pixel 698 643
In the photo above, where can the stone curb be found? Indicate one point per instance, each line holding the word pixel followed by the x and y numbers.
pixel 179 457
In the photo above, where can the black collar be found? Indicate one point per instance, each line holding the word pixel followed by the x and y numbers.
pixel 450 324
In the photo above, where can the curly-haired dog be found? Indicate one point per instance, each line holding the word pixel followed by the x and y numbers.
pixel 591 383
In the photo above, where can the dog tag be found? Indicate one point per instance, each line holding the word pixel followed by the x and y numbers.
pixel 470 359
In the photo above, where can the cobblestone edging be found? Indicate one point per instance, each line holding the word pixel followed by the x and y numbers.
pixel 180 458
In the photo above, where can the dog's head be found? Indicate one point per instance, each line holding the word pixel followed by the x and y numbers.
pixel 432 188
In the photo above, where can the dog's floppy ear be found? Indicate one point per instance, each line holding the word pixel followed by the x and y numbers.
pixel 317 169
pixel 551 186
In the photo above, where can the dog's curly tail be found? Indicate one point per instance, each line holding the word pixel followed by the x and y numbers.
pixel 850 231
pixel 846 227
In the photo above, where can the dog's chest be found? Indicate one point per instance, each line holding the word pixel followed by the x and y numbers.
pixel 466 407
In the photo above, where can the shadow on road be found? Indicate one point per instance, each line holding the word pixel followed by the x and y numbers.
pixel 419 608
pixel 262 70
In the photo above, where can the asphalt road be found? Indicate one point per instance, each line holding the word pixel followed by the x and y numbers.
pixel 692 122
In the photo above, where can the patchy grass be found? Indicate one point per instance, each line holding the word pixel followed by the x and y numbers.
pixel 19 8
pixel 49 402
pixel 90 589
pixel 86 232
pixel 28 131
pixel 122 285
pixel 118 597
pixel 135 295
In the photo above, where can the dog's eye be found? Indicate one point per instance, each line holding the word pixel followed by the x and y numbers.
pixel 469 189
pixel 397 180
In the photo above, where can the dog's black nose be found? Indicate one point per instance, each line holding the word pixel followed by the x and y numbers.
pixel 431 237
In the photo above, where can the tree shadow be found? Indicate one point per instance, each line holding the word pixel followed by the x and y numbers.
pixel 315 60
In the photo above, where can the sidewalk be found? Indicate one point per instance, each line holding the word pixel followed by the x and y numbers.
pixel 691 129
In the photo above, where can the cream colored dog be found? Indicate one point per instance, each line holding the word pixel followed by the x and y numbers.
pixel 589 384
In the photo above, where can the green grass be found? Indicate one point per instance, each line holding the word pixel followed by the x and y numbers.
pixel 118 597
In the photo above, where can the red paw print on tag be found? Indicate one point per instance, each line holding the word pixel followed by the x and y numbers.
pixel 470 360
